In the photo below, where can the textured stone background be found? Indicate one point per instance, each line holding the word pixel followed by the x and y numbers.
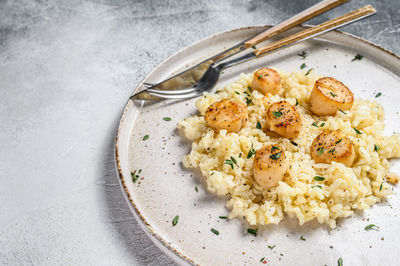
pixel 66 71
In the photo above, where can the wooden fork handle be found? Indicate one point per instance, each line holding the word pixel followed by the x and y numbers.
pixel 333 23
pixel 294 21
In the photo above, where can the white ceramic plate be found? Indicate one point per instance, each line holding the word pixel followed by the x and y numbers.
pixel 168 189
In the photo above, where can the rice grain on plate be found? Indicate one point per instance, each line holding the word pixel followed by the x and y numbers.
pixel 343 189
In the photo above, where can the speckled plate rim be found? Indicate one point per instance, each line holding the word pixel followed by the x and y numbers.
pixel 161 243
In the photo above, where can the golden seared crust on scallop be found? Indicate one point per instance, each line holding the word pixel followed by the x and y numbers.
pixel 226 114
pixel 284 119
pixel 329 95
pixel 269 165
pixel 267 80
pixel 330 146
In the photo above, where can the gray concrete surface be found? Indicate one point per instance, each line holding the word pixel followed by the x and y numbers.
pixel 66 70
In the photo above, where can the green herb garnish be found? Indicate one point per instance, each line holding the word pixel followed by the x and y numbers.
pixel 145 137
pixel 249 88
pixel 338 141
pixel 231 162
pixel 308 72
pixel 380 187
pixel 303 66
pixel 223 217
pixel 259 77
pixel 318 186
pixel 175 220
pixel 342 111
pixel 297 102
pixel 215 231
pixel 258 126
pixel 322 124
pixel 319 178
pixel 357 57
pixel 262 259
pixel 276 156
pixel 167 118
pixel 238 93
pixel 340 262
pixel 379 94
pixel 254 47
pixel 314 124
pixel 376 147
pixel 248 101
pixel 333 95
pixel 271 247
pixel 196 188
pixel 332 150
pixel 303 54
pixel 252 151
pixel 277 114
pixel 357 131
pixel 274 148
pixel 371 227
pixel 234 160
pixel 320 151
pixel 302 238
pixel 252 231
pixel 134 176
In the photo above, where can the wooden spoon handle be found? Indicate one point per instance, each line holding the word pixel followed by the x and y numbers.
pixel 307 14
pixel 319 29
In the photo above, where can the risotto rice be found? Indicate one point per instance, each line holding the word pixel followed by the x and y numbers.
pixel 298 195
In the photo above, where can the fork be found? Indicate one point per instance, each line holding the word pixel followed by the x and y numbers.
pixel 211 76
pixel 190 76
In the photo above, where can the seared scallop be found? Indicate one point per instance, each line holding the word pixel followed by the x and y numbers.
pixel 284 119
pixel 330 95
pixel 226 114
pixel 269 165
pixel 330 146
pixel 267 80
